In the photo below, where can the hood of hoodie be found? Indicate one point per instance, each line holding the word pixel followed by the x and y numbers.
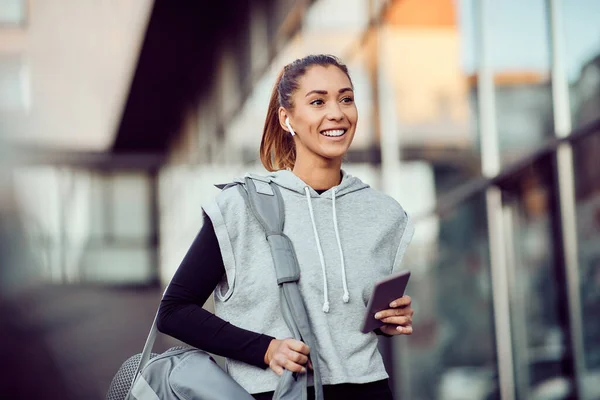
pixel 288 180
pixel 349 184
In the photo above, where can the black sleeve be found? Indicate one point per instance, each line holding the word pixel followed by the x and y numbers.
pixel 181 314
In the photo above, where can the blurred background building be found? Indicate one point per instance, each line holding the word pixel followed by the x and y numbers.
pixel 481 117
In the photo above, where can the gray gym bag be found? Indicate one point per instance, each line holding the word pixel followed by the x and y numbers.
pixel 189 373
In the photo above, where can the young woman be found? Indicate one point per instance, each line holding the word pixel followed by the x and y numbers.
pixel 346 235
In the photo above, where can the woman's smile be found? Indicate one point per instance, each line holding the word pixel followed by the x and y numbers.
pixel 334 133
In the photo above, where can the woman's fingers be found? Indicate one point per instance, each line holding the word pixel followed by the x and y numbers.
pixel 394 312
pixel 282 361
pixel 403 320
pixel 389 330
pixel 276 368
pixel 397 330
pixel 401 302
pixel 292 366
pixel 297 346
pixel 405 330
pixel 289 354
pixel 398 318
pixel 297 358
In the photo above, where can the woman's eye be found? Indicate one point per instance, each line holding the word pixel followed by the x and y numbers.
pixel 317 102
pixel 347 100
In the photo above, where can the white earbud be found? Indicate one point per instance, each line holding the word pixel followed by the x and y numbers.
pixel 287 123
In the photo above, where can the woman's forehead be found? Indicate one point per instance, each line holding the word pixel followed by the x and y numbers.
pixel 323 78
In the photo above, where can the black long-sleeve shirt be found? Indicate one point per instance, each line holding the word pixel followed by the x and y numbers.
pixel 181 314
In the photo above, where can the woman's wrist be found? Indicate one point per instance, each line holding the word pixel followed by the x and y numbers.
pixel 269 352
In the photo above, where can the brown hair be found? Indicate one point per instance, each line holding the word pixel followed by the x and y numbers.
pixel 277 147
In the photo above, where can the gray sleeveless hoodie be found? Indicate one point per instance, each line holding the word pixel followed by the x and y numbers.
pixel 346 239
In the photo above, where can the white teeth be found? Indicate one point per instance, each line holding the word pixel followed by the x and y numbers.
pixel 337 132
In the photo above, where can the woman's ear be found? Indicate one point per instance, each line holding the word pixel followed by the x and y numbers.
pixel 287 123
pixel 284 121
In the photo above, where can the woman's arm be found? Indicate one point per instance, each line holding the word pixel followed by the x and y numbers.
pixel 181 314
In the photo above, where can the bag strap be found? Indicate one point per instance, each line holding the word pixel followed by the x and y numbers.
pixel 145 356
pixel 266 203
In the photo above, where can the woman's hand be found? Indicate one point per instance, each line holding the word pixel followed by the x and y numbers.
pixel 287 354
pixel 398 318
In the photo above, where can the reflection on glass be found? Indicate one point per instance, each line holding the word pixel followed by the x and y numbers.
pixel 520 58
pixel 453 356
pixel 538 316
pixel 582 57
pixel 587 182
pixel 88 226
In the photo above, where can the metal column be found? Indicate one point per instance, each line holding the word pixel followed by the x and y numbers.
pixel 490 159
pixel 566 190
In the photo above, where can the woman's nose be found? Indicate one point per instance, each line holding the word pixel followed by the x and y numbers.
pixel 334 112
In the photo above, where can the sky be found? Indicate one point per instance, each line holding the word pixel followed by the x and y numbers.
pixel 520 37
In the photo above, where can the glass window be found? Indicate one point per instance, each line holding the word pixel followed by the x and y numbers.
pixel 130 206
pixel 587 183
pixel 452 354
pixel 582 56
pixel 520 56
pixel 539 321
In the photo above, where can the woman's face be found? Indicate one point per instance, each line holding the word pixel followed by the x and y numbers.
pixel 324 115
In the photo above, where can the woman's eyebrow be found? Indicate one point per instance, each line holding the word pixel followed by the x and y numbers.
pixel 324 92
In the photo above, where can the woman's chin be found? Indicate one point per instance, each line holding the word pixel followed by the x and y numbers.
pixel 333 155
pixel 334 150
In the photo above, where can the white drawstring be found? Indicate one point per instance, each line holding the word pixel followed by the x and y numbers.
pixel 346 297
pixel 312 218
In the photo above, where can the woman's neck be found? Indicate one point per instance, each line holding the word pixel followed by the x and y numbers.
pixel 319 176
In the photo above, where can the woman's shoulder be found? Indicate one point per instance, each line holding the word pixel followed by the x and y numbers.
pixel 229 195
pixel 379 199
pixel 232 194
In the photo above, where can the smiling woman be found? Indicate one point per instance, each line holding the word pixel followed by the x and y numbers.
pixel 346 237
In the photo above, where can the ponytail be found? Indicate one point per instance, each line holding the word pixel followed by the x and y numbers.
pixel 277 147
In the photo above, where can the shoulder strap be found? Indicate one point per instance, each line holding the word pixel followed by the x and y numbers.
pixel 266 203
pixel 146 352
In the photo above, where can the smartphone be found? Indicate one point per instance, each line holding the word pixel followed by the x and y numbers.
pixel 384 292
